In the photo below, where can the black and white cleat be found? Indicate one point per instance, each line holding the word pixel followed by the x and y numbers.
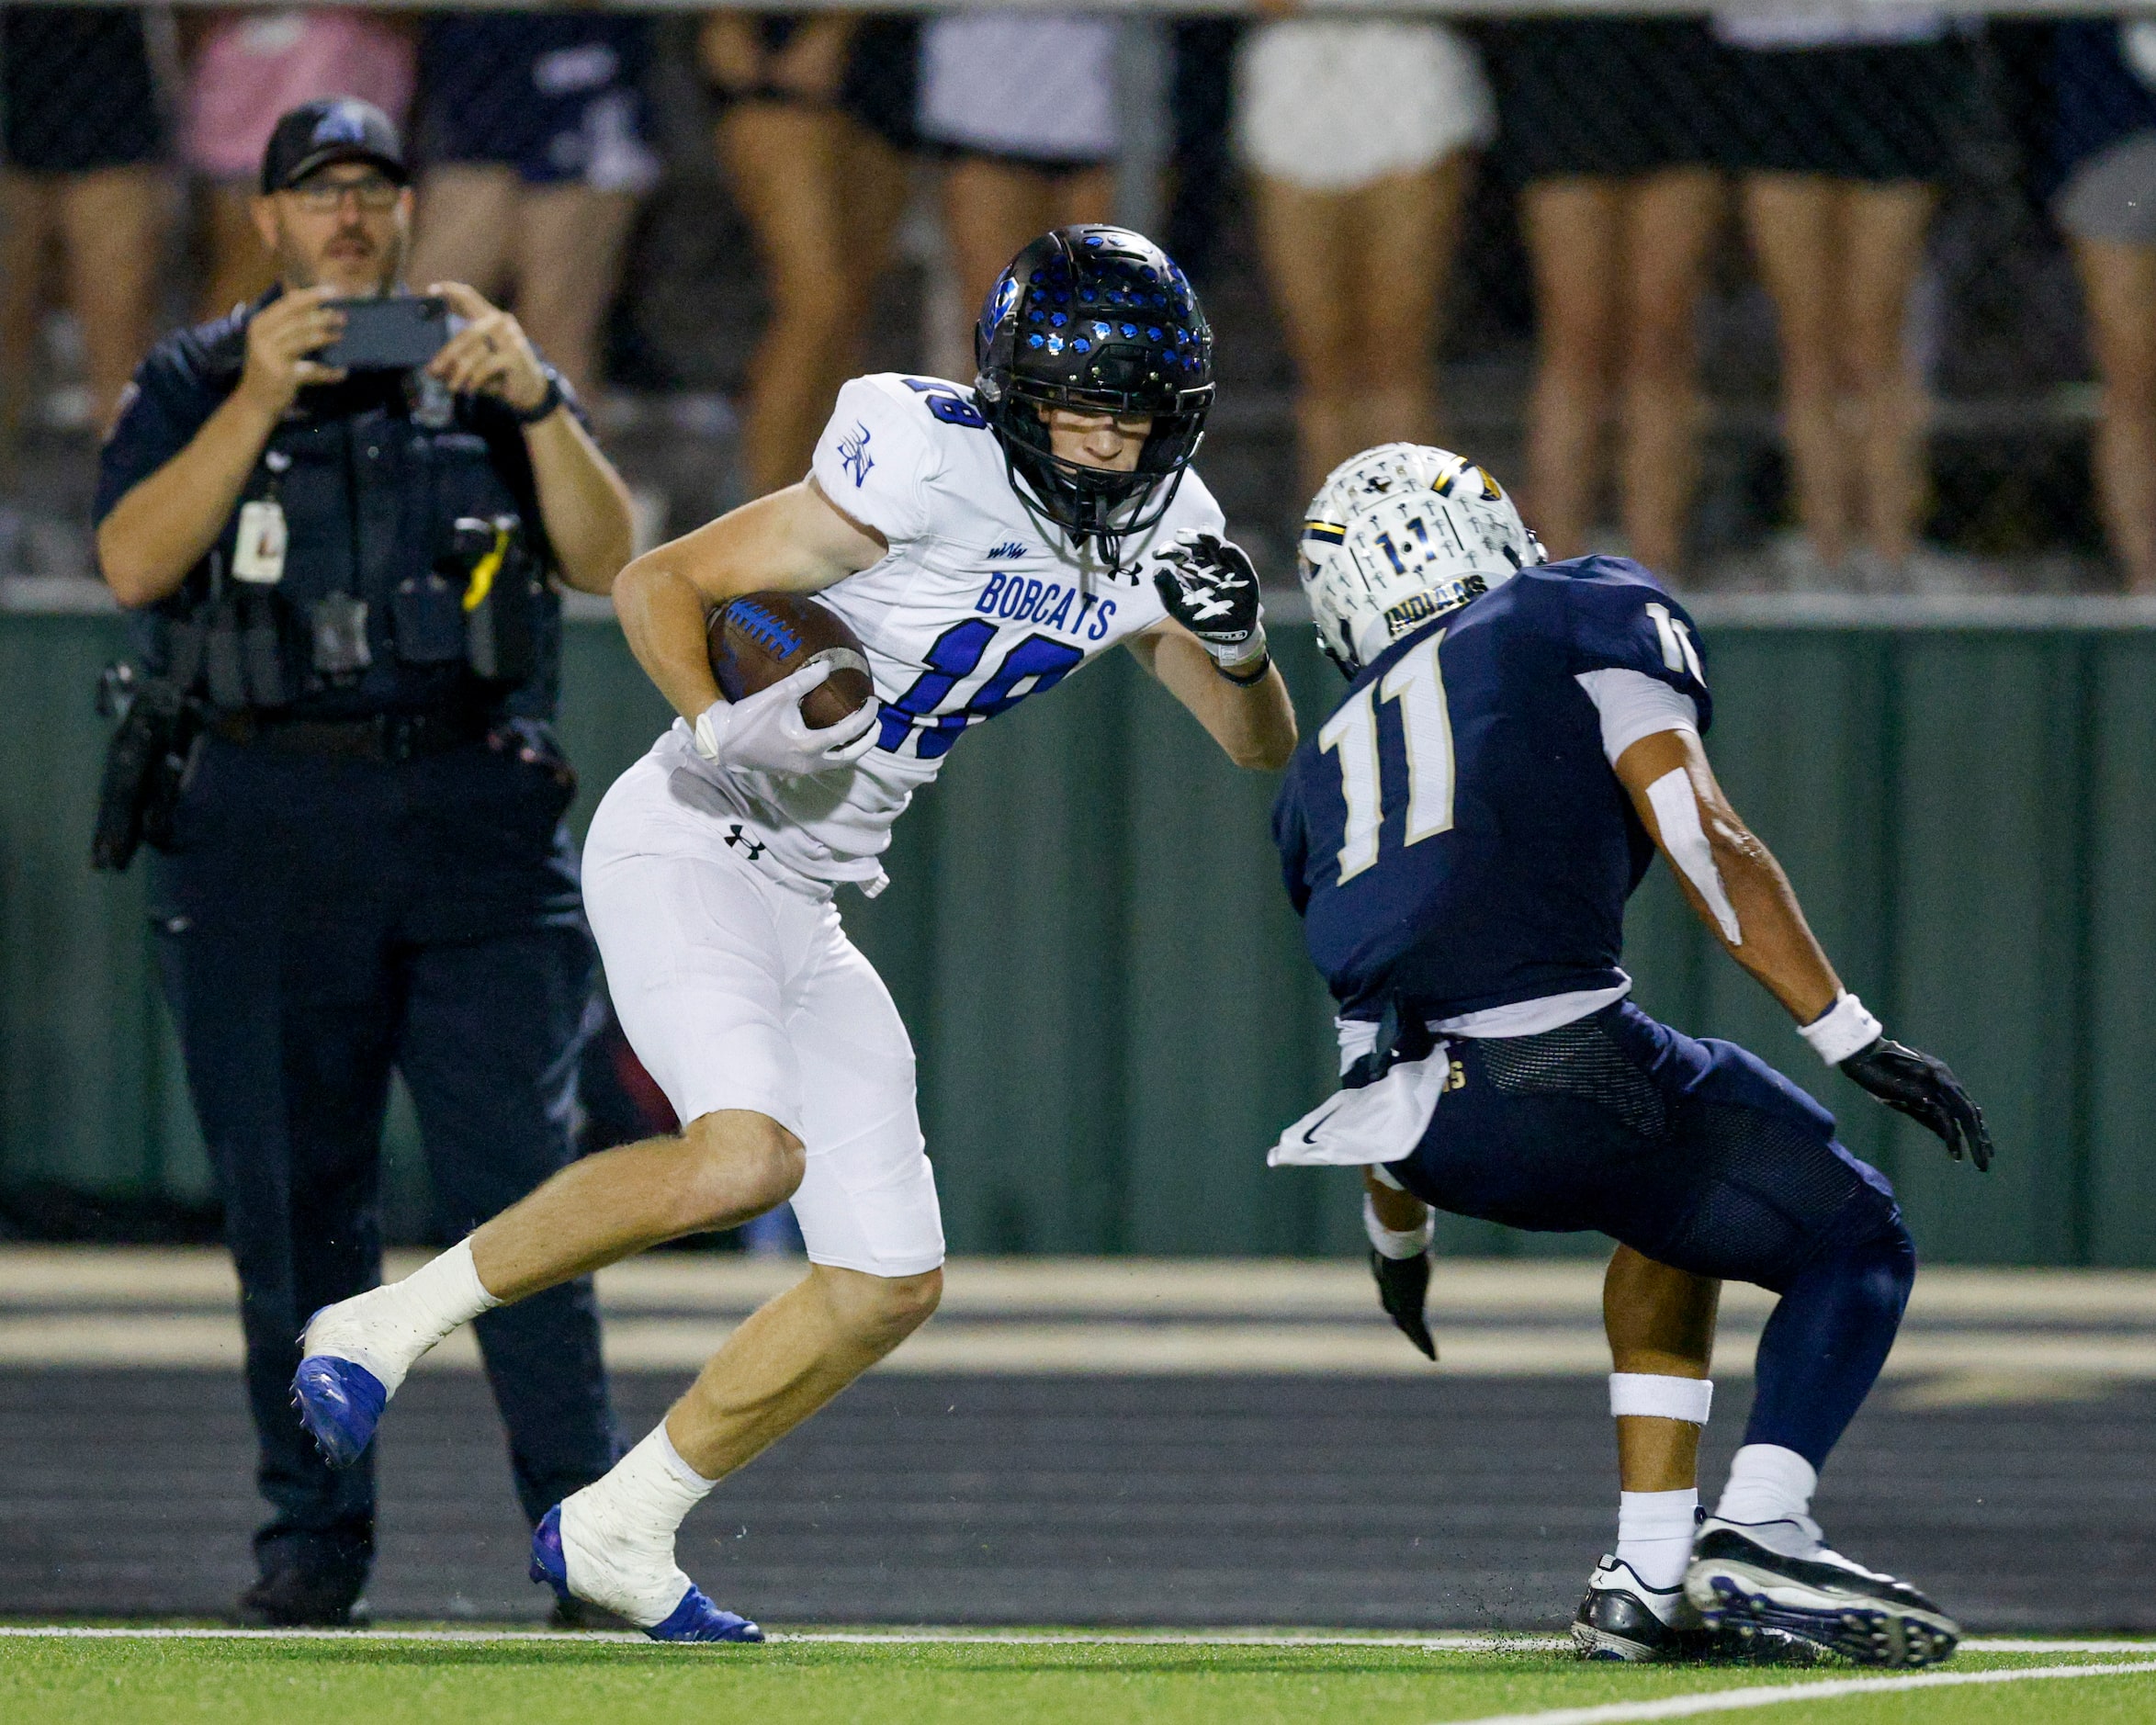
pixel 1623 1618
pixel 1779 1576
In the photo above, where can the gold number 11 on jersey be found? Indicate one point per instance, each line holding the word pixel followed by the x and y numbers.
pixel 1425 727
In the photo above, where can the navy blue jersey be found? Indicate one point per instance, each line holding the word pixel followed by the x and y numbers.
pixel 1452 836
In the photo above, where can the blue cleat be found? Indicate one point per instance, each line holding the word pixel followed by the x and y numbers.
pixel 340 1403
pixel 694 1619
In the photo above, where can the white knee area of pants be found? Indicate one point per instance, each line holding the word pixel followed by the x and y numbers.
pixel 1654 1534
pixel 1652 1395
pixel 1677 812
pixel 1767 1482
pixel 388 1328
pixel 617 1533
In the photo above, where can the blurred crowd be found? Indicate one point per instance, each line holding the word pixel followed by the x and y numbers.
pixel 1810 146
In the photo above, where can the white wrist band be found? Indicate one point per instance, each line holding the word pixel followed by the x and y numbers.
pixel 1411 1243
pixel 1652 1395
pixel 1841 1029
pixel 1246 654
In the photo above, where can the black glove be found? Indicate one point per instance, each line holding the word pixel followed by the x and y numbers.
pixel 1209 586
pixel 1927 1091
pixel 1402 1282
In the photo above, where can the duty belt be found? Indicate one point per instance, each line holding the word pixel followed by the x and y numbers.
pixel 378 736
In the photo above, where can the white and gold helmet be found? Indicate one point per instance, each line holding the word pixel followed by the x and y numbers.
pixel 1399 534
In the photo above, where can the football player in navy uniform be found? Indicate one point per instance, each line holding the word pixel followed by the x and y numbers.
pixel 1518 740
pixel 985 543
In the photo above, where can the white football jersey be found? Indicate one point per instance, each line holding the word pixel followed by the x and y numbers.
pixel 979 602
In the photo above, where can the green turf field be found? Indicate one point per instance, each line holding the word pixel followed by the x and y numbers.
pixel 471 1679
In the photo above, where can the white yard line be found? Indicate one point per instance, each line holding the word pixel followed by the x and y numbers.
pixel 1738 1700
pixel 1444 1642
pixel 1458 1644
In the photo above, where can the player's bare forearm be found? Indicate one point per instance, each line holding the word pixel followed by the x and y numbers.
pixel 582 501
pixel 794 540
pixel 1771 938
pixel 1255 725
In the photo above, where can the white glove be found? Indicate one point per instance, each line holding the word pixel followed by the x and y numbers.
pixel 766 733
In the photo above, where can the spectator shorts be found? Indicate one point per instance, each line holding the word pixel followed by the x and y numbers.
pixel 558 97
pixel 2112 195
pixel 1882 113
pixel 1607 95
pixel 879 86
pixel 1033 88
pixel 76 90
pixel 1333 104
pixel 737 988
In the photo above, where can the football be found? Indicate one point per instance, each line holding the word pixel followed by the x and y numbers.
pixel 759 638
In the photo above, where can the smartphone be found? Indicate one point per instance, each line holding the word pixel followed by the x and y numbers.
pixel 393 333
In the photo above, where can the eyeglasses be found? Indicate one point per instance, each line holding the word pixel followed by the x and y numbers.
pixel 325 198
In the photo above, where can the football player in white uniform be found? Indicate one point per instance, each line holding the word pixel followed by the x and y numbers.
pixel 983 544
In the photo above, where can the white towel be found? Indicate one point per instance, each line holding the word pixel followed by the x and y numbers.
pixel 1379 1123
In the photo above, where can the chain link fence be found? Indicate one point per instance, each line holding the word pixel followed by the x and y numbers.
pixel 1861 298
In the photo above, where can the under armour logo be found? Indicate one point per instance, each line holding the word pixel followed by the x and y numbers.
pixel 853 454
pixel 753 848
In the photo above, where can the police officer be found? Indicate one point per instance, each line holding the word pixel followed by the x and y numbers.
pixel 350 575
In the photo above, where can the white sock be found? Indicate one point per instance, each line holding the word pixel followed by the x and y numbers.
pixel 1767 1482
pixel 388 1328
pixel 1654 1534
pixel 617 1533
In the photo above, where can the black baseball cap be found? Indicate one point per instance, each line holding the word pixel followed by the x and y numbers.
pixel 337 129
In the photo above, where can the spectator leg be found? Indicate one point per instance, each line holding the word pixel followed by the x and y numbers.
pixel 2118 283
pixel 239 269
pixel 788 171
pixel 1883 229
pixel 112 220
pixel 1403 234
pixel 1573 230
pixel 569 242
pixel 1792 220
pixel 467 212
pixel 1305 238
pixel 1670 224
pixel 1087 195
pixel 24 209
pixel 992 208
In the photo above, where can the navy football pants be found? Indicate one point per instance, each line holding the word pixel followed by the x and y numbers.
pixel 1703 1157
pixel 322 922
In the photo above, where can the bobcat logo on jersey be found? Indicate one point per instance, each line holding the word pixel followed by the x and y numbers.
pixel 854 458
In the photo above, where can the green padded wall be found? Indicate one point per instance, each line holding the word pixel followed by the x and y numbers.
pixel 1086 935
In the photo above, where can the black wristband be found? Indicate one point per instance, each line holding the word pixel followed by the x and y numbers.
pixel 1256 674
pixel 547 403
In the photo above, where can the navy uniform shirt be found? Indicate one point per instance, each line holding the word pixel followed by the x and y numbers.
pixel 1452 836
pixel 371 495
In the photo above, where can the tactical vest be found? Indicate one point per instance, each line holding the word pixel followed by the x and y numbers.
pixel 414 572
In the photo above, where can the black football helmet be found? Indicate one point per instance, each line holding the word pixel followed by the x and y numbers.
pixel 1098 319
